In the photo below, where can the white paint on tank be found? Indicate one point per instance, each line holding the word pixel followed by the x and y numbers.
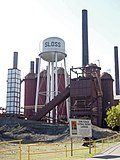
pixel 54 44
pixel 50 47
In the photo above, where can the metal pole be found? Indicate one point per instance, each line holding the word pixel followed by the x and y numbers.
pixel 89 146
pixel 66 149
pixel 20 146
pixel 28 152
pixel 71 147
pixel 52 88
pixel 48 83
pixel 66 84
pixel 56 85
pixel 48 86
pixel 37 88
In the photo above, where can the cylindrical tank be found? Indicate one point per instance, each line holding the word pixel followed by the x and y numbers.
pixel 107 89
pixel 51 46
pixel 42 88
pixel 30 90
pixel 29 94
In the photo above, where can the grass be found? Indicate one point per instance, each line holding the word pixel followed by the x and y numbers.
pixel 56 151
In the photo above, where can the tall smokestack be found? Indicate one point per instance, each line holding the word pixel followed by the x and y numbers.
pixel 32 67
pixel 15 60
pixel 37 62
pixel 85 56
pixel 116 70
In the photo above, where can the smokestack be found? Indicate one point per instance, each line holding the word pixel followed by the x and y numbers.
pixel 37 61
pixel 116 70
pixel 32 67
pixel 85 56
pixel 15 60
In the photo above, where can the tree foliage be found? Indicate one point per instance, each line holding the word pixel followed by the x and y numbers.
pixel 113 116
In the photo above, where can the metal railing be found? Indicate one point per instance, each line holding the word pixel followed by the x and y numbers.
pixel 11 149
pixel 70 150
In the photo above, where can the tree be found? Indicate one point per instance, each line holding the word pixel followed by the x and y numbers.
pixel 113 116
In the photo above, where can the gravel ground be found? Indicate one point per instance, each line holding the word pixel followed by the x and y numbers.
pixel 35 131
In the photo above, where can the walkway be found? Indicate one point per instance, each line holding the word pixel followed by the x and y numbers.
pixel 112 153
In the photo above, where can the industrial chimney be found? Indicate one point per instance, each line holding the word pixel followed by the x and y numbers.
pixel 116 70
pixel 15 60
pixel 32 67
pixel 37 62
pixel 85 56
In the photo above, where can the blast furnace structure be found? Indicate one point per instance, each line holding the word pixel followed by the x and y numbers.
pixel 90 93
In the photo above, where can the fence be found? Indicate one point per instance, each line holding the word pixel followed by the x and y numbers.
pixel 71 150
pixel 105 143
pixel 11 150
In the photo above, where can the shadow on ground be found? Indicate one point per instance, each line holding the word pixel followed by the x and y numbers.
pixel 107 157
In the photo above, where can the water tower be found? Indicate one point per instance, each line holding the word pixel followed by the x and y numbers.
pixel 53 51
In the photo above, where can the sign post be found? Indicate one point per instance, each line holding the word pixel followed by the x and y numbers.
pixel 71 146
pixel 80 128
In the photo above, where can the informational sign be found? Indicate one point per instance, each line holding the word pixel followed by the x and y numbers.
pixel 80 128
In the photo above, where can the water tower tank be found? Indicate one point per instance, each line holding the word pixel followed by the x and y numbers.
pixel 50 47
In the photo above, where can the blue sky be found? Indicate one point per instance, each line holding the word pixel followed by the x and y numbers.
pixel 25 23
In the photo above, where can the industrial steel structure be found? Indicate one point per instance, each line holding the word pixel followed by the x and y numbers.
pixel 53 96
pixel 13 88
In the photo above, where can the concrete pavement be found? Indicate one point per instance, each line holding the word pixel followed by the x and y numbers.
pixel 113 153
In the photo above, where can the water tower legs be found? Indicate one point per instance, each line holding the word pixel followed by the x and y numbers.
pixel 48 86
pixel 37 88
pixel 48 83
pixel 56 86
pixel 52 87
